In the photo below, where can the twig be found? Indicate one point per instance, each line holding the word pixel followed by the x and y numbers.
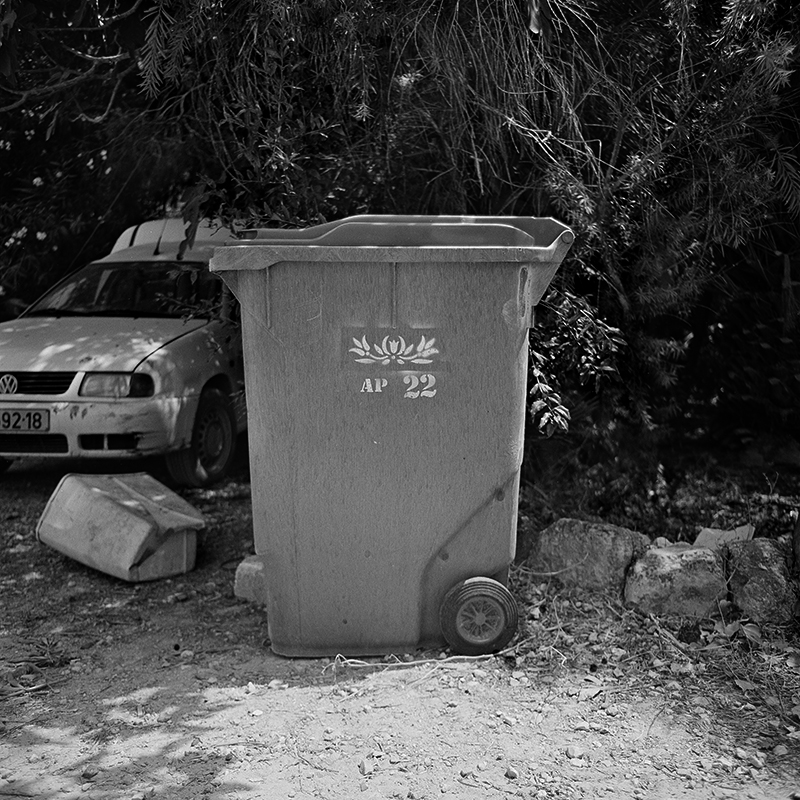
pixel 27 689
pixel 383 666
pixel 425 677
pixel 310 764
pixel 243 744
pixel 668 637
pixel 552 574
pixel 653 721
pixel 514 649
pixel 479 783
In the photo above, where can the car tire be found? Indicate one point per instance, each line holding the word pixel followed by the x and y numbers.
pixel 5 463
pixel 213 448
pixel 478 616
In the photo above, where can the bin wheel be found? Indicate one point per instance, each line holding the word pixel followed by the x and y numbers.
pixel 213 443
pixel 478 616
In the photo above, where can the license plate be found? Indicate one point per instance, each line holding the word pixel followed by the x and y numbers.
pixel 24 420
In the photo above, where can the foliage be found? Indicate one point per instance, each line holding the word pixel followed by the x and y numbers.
pixel 658 484
pixel 745 367
pixel 65 200
pixel 83 154
pixel 658 132
pixel 662 133
pixel 575 347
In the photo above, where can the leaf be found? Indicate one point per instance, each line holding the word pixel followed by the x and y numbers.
pixel 752 632
pixel 745 686
pixel 727 630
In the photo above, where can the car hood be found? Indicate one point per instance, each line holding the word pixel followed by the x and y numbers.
pixel 80 344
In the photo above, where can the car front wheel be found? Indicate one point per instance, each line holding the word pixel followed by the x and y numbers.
pixel 213 447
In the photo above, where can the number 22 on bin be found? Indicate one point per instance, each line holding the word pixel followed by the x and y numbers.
pixel 416 386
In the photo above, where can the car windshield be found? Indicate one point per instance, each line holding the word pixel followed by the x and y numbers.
pixel 134 289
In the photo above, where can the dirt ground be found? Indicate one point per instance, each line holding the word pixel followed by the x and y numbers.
pixel 169 689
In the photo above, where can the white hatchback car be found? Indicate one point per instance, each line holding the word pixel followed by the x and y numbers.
pixel 137 354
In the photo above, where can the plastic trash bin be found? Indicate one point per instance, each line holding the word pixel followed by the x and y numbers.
pixel 385 369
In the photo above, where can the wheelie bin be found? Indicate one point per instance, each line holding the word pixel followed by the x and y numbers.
pixel 385 371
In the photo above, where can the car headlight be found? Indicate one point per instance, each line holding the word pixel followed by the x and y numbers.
pixel 116 384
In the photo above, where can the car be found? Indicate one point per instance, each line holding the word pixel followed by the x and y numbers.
pixel 136 354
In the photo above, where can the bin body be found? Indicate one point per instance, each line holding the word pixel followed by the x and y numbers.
pixel 386 388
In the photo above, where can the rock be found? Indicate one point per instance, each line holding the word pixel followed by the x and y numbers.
pixel 661 541
pixel 250 581
pixel 715 537
pixel 587 555
pixel 759 581
pixel 755 761
pixel 366 766
pixel 688 581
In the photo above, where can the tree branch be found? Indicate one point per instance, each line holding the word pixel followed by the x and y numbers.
pixel 46 91
pixel 98 59
pixel 110 105
pixel 107 24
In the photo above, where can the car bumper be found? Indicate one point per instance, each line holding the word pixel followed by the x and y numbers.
pixel 103 429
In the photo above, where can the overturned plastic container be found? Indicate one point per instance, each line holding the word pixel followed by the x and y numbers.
pixel 129 526
pixel 386 367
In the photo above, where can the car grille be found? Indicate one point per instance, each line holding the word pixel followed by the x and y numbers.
pixel 111 441
pixel 42 382
pixel 33 443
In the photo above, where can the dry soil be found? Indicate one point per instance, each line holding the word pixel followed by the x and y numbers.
pixel 169 689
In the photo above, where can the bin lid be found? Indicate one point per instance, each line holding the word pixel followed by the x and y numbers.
pixel 540 228
pixel 402 238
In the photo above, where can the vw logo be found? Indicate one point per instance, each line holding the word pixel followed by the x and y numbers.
pixel 8 384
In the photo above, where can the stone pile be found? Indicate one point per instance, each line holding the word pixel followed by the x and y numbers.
pixel 660 578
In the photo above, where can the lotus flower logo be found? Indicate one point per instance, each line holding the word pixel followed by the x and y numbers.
pixel 394 350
